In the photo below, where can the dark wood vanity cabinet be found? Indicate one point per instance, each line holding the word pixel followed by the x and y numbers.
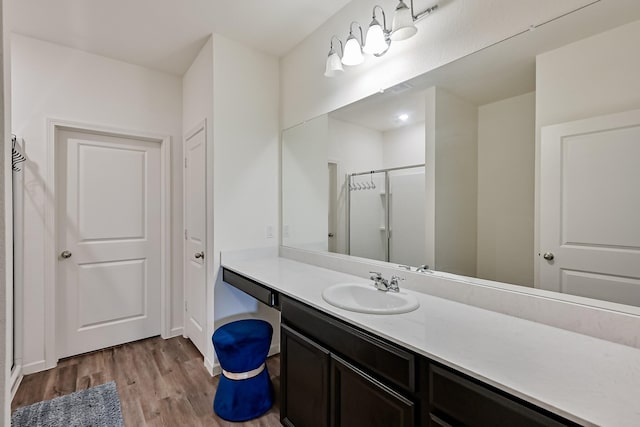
pixel 357 399
pixel 329 374
pixel 453 399
pixel 333 374
pixel 304 380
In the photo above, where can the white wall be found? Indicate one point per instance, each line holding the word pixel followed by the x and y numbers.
pixel 305 185
pixel 52 81
pixel 592 77
pixel 451 182
pixel 197 105
pixel 456 29
pixel 246 186
pixel 506 144
pixel 355 149
pixel 404 146
pixel 6 257
pixel 197 91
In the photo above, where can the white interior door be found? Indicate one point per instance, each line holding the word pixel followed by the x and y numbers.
pixel 195 237
pixel 333 206
pixel 590 208
pixel 108 287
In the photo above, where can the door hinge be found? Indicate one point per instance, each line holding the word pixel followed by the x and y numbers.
pixel 185 162
pixel 185 234
pixel 185 306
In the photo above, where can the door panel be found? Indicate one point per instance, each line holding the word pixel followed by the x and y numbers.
pixel 108 289
pixel 601 166
pixel 304 372
pixel 195 234
pixel 124 185
pixel 589 208
pixel 359 400
pixel 111 292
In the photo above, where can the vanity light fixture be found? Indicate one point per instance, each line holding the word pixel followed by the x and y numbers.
pixel 404 20
pixel 377 41
pixel 334 64
pixel 353 48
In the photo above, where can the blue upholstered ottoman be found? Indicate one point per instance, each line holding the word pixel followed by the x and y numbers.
pixel 245 390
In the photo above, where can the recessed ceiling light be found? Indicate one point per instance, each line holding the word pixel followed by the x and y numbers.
pixel 403 117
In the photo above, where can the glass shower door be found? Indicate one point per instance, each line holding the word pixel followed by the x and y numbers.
pixel 407 221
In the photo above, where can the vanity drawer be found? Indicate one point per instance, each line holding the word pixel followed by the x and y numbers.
pixel 248 286
pixel 456 400
pixel 377 357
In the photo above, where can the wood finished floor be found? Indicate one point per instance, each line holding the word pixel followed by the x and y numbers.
pixel 160 383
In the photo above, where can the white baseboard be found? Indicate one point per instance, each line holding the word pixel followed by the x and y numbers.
pixel 208 364
pixel 33 367
pixel 176 332
pixel 274 349
pixel 15 380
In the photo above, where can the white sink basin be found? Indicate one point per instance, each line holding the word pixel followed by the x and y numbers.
pixel 367 299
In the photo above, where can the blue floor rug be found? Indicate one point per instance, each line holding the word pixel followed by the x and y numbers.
pixel 96 407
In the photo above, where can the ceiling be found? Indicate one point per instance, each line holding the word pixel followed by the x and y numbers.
pixel 167 35
pixel 504 70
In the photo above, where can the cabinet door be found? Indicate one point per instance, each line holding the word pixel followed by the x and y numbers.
pixel 359 400
pixel 459 401
pixel 304 376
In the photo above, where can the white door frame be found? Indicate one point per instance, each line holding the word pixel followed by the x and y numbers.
pixel 51 235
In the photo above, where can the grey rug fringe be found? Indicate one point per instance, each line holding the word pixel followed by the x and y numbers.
pixel 95 407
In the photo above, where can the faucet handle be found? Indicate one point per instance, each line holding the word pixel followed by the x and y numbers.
pixel 375 275
pixel 393 283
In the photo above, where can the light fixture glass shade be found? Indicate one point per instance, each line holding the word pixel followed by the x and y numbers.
pixel 403 26
pixel 376 42
pixel 352 52
pixel 334 66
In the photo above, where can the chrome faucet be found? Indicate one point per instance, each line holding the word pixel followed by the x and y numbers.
pixel 383 284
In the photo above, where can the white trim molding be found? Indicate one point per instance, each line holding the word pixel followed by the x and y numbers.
pixel 50 238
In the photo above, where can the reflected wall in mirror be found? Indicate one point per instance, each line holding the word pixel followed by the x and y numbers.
pixel 531 143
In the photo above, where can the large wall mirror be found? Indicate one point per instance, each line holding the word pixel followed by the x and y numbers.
pixel 531 143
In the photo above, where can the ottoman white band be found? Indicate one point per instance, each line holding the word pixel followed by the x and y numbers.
pixel 243 375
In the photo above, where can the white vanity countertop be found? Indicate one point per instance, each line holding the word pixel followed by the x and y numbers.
pixel 584 379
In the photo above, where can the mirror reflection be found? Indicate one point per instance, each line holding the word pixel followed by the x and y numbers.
pixel 520 157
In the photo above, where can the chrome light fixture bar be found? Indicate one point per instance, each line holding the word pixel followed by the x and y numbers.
pixel 404 20
pixel 334 63
pixel 379 37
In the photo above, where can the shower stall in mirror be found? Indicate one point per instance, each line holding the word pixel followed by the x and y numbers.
pixel 386 219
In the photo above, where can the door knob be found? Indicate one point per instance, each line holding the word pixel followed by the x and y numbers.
pixel 65 254
pixel 548 256
pixel 331 234
pixel 199 255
